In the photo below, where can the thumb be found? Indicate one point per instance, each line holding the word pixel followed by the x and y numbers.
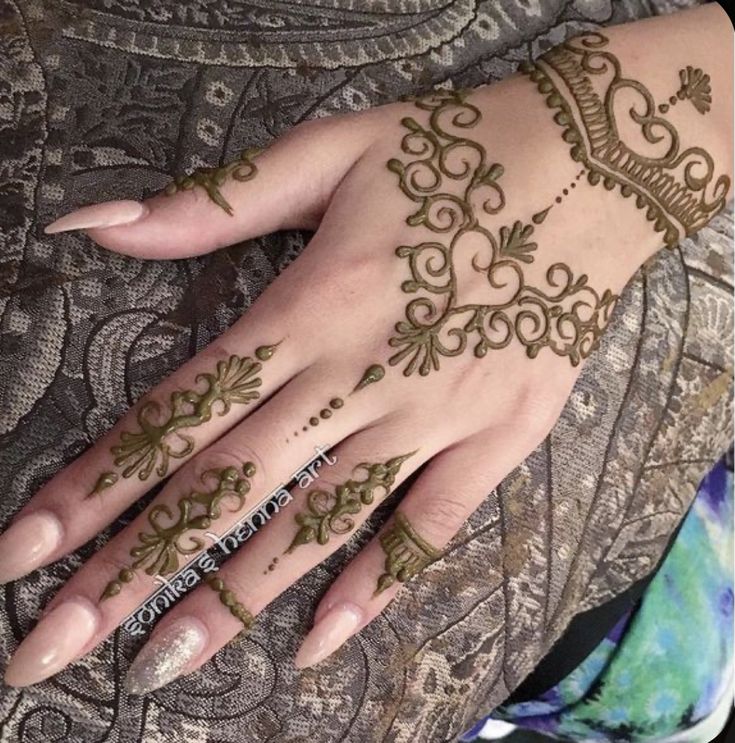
pixel 288 185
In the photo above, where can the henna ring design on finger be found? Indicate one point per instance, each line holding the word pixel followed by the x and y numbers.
pixel 210 179
pixel 407 553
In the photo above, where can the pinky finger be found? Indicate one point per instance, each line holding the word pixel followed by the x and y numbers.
pixel 448 491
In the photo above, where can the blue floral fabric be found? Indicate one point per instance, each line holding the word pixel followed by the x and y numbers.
pixel 666 664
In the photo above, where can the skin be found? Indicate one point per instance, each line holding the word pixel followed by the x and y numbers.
pixel 471 417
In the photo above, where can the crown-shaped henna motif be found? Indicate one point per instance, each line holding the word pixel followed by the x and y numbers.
pixel 677 187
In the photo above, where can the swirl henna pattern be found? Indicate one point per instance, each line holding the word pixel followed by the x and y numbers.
pixel 235 381
pixel 158 552
pixel 676 187
pixel 453 183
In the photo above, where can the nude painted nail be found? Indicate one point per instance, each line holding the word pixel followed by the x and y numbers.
pixel 329 634
pixel 107 214
pixel 54 642
pixel 167 655
pixel 26 543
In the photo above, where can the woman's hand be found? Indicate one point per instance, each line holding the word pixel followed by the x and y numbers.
pixel 464 265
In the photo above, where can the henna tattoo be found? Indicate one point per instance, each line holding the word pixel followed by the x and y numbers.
pixel 324 414
pixel 407 553
pixel 210 179
pixel 228 598
pixel 453 183
pixel 676 187
pixel 372 374
pixel 330 513
pixel 234 381
pixel 158 552
pixel 694 87
pixel 104 481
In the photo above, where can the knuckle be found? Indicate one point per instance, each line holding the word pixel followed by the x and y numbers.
pixel 442 515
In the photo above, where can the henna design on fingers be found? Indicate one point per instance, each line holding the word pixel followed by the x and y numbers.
pixel 228 598
pixel 407 553
pixel 676 187
pixel 210 179
pixel 336 403
pixel 158 552
pixel 453 184
pixel 330 513
pixel 150 449
pixel 104 481
pixel 372 374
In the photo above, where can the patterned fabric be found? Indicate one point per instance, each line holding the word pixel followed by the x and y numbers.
pixel 666 665
pixel 104 99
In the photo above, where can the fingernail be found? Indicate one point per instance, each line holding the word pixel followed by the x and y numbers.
pixel 54 642
pixel 26 543
pixel 107 214
pixel 166 655
pixel 329 634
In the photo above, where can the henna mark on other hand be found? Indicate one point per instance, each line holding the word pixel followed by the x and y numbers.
pixel 210 179
pixel 330 513
pixel 158 552
pixel 407 553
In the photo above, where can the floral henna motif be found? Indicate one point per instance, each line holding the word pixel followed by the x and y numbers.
pixel 695 87
pixel 330 513
pixel 453 183
pixel 234 381
pixel 210 179
pixel 676 187
pixel 158 551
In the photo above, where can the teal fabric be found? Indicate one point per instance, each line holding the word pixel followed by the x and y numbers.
pixel 665 665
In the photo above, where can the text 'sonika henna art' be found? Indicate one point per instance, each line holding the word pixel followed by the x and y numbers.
pixel 159 550
pixel 234 382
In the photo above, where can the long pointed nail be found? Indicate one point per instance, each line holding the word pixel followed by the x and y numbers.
pixel 329 634
pixel 107 214
pixel 54 642
pixel 26 543
pixel 167 655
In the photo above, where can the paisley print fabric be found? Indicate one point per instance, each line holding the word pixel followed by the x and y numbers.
pixel 105 99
